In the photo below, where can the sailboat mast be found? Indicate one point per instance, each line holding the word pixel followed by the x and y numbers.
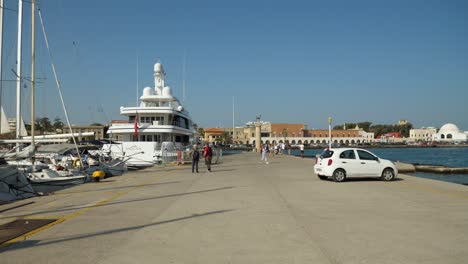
pixel 18 74
pixel 233 126
pixel 1 53
pixel 33 57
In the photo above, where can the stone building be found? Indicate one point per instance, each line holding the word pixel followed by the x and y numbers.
pixel 213 135
pixel 424 134
pixel 98 132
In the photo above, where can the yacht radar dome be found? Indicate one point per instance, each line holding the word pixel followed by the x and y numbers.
pixel 147 91
pixel 166 92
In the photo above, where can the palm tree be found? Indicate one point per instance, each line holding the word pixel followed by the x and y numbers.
pixel 43 124
pixel 58 124
pixel 284 133
pixel 226 137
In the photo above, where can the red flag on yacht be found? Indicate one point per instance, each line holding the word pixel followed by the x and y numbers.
pixel 135 126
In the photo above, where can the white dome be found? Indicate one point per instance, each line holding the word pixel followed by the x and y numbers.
pixel 166 92
pixel 449 128
pixel 147 91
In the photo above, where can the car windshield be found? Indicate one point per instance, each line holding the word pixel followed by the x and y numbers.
pixel 326 154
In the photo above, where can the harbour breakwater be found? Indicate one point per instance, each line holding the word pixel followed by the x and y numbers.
pixel 409 168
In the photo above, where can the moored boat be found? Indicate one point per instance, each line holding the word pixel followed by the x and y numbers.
pixel 155 130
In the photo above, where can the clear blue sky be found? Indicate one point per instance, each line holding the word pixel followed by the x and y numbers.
pixel 292 62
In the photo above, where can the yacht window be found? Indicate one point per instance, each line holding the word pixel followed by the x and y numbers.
pixel 160 119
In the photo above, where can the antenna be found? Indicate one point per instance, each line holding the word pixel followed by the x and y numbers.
pixel 137 79
pixel 183 75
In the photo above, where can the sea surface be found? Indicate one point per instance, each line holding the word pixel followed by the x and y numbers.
pixel 451 157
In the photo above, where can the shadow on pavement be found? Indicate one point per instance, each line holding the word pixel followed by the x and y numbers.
pixel 34 243
pixel 119 202
pixel 115 188
pixel 366 179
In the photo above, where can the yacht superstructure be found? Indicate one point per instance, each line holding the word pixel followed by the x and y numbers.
pixel 160 123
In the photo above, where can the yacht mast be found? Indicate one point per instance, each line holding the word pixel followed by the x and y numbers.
pixel 183 75
pixel 18 74
pixel 33 57
pixel 137 84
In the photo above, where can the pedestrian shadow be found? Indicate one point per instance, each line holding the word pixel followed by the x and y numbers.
pixel 35 243
pixel 223 170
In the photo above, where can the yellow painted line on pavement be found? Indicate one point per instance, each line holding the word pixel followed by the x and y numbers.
pixel 75 214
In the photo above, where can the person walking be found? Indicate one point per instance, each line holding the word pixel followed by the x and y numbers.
pixel 195 158
pixel 265 151
pixel 301 148
pixel 208 154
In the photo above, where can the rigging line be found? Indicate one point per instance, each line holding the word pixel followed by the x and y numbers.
pixel 9 9
pixel 57 81
pixel 23 78
pixel 15 10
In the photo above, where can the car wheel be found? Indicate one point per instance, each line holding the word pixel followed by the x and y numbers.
pixel 322 177
pixel 388 175
pixel 339 175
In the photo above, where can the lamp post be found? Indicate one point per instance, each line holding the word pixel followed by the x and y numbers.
pixel 329 132
pixel 258 132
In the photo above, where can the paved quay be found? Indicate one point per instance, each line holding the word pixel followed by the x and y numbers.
pixel 245 212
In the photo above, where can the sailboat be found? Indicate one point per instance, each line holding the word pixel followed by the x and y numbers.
pixel 38 175
pixel 13 183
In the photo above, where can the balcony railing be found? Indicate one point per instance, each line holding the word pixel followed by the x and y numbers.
pixel 155 123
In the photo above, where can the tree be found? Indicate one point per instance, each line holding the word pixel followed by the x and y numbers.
pixel 365 125
pixel 226 137
pixel 284 133
pixel 201 131
pixel 58 124
pixel 43 124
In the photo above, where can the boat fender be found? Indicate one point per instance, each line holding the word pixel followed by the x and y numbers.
pixel 98 174
pixel 77 163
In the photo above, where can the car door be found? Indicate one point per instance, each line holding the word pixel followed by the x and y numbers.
pixel 369 164
pixel 349 163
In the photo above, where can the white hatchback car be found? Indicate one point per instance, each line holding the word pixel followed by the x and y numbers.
pixel 342 163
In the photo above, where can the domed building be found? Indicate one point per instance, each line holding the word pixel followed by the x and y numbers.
pixel 450 133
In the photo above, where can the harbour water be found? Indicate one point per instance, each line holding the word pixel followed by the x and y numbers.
pixel 448 156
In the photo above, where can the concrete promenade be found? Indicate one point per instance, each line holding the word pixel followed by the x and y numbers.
pixel 246 212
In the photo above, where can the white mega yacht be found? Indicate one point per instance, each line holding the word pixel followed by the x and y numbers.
pixel 155 129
